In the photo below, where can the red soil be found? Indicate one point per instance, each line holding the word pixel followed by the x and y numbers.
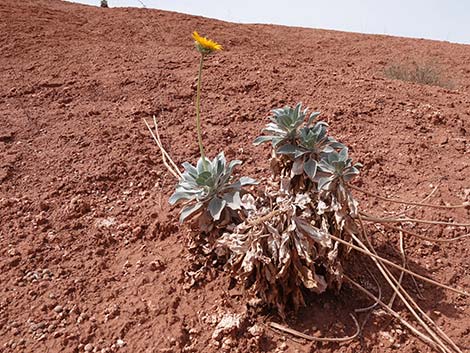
pixel 91 252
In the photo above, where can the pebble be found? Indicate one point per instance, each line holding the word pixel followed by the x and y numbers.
pixel 120 343
pixel 88 347
pixel 256 330
pixel 58 309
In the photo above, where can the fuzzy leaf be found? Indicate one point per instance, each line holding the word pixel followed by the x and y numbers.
pixel 192 171
pixel 189 210
pixel 287 149
pixel 312 117
pixel 261 139
pixel 310 168
pixel 343 154
pixel 204 178
pixel 247 181
pixel 324 183
pixel 181 195
pixel 233 200
pixel 215 207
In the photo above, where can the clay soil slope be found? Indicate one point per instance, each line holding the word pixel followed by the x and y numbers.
pixel 92 257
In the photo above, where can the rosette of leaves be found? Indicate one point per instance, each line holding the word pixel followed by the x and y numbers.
pixel 312 145
pixel 336 168
pixel 209 189
pixel 284 126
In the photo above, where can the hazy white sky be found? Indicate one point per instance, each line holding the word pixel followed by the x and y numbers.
pixel 432 19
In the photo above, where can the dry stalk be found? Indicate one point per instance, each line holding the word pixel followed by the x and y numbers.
pixel 424 315
pixel 386 274
pixel 371 218
pixel 401 292
pixel 173 169
pixel 435 240
pixel 392 312
pixel 276 326
pixel 423 201
pixel 390 263
pixel 403 258
pixel 420 204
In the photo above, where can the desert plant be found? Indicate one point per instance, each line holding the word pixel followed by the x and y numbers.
pixel 422 73
pixel 295 236
pixel 209 187
pixel 284 125
pixel 336 168
pixel 205 47
pixel 311 146
pixel 291 251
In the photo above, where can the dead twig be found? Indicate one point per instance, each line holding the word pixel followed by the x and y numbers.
pixel 372 218
pixel 436 240
pixel 173 169
pixel 403 258
pixel 403 295
pixel 423 201
pixel 390 263
pixel 421 204
pixel 392 312
pixel 279 327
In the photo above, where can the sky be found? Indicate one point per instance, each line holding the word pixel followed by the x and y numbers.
pixel 447 20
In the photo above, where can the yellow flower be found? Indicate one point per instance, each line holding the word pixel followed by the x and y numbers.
pixel 204 45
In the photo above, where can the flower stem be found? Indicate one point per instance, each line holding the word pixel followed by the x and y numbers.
pixel 198 113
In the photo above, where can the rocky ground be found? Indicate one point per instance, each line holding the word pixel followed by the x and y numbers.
pixel 92 258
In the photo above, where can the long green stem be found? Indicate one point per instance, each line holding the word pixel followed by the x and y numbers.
pixel 198 113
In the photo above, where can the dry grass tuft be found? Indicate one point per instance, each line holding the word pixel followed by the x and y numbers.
pixel 422 73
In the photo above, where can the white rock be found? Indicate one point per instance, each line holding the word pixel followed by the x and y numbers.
pixel 256 330
pixel 227 325
pixel 120 343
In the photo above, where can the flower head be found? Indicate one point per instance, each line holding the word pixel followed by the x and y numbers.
pixel 204 45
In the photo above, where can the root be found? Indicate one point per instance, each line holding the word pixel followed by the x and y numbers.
pixel 277 327
pixel 172 168
pixel 420 204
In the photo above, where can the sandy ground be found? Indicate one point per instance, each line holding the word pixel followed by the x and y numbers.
pixel 92 257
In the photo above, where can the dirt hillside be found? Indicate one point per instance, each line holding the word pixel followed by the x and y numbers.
pixel 92 257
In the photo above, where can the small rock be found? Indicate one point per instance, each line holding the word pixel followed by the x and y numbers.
pixel 58 309
pixel 283 346
pixel 88 347
pixel 256 330
pixel 138 232
pixel 120 343
pixel 229 324
pixel 12 252
pixel 156 265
